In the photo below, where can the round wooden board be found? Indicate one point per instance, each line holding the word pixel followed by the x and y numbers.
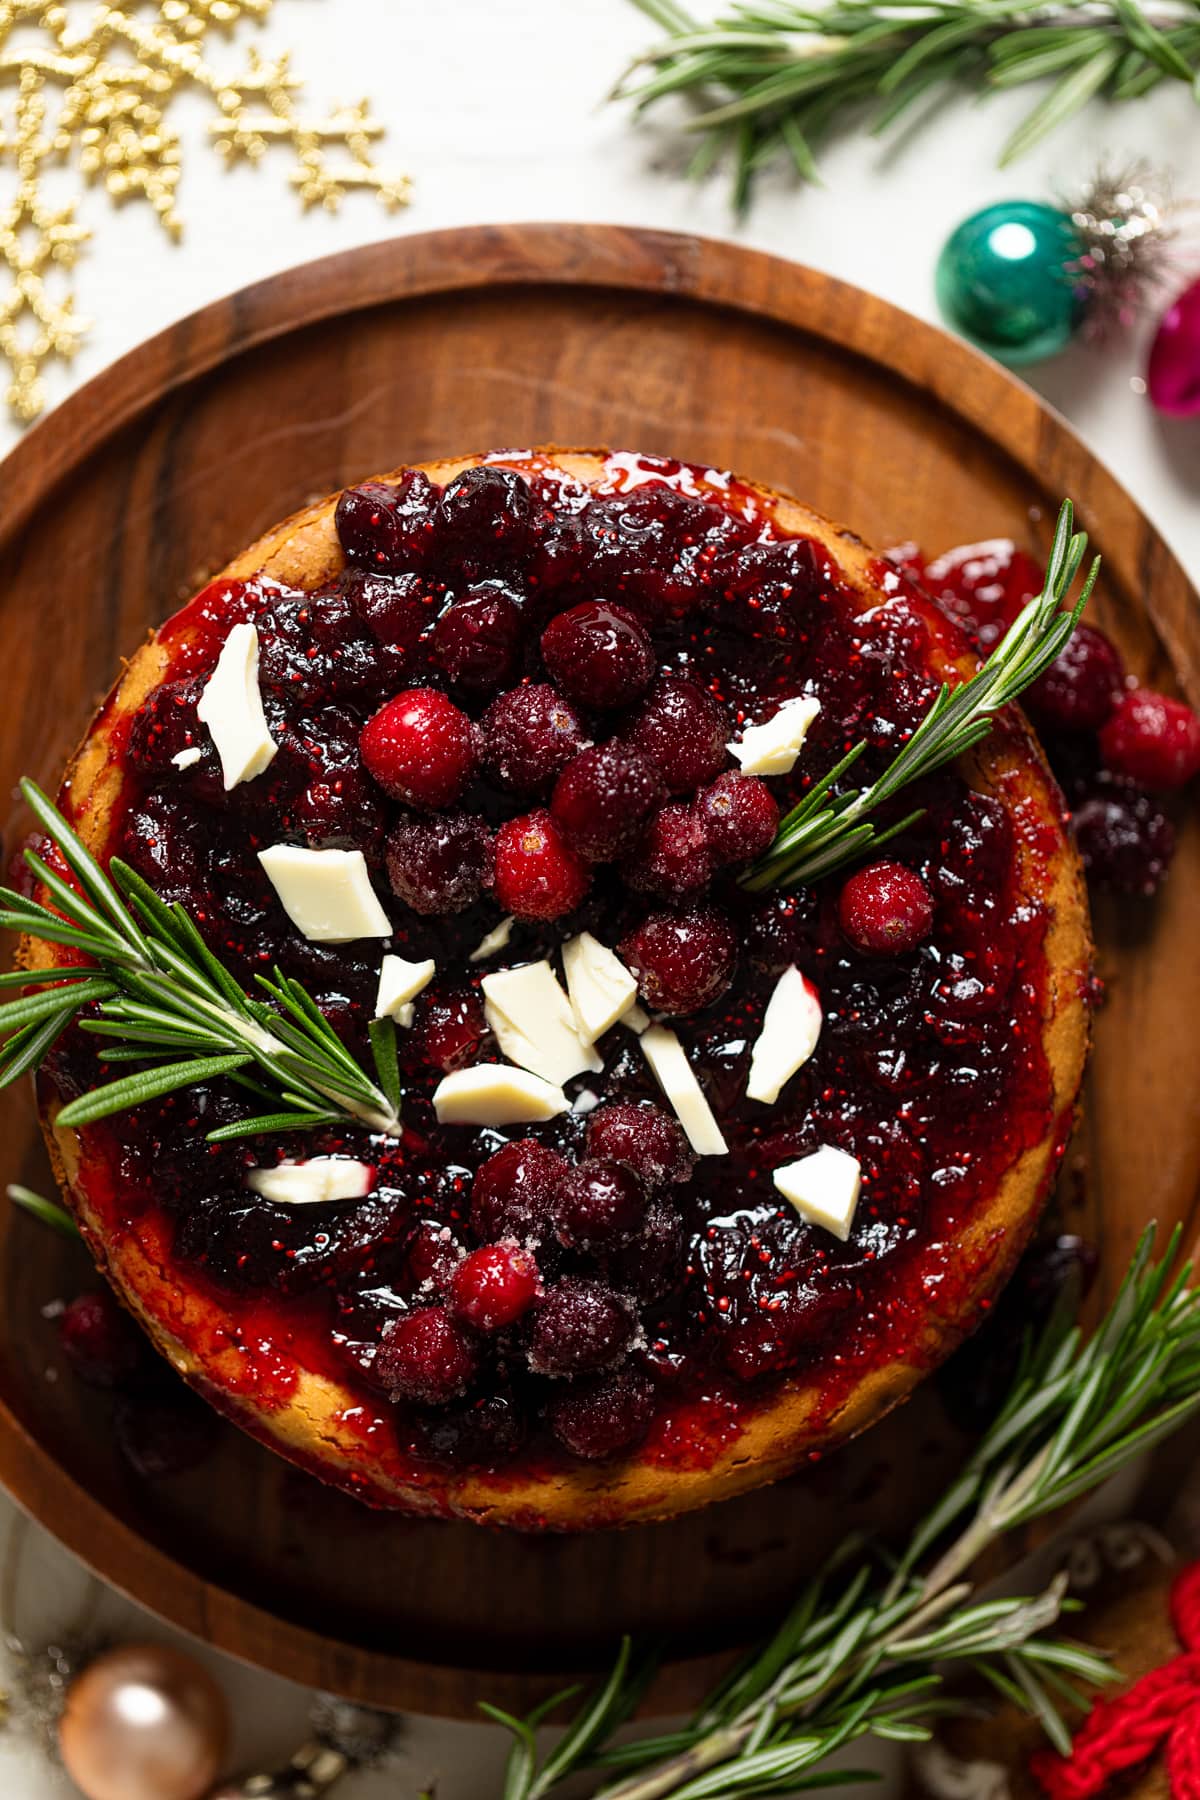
pixel 150 477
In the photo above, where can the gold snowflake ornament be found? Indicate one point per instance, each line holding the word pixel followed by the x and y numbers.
pixel 96 97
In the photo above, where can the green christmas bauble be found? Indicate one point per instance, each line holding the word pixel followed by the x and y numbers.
pixel 1004 280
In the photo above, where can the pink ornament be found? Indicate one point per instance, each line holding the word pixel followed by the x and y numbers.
pixel 1173 372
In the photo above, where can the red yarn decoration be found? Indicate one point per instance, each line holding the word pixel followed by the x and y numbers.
pixel 1163 1707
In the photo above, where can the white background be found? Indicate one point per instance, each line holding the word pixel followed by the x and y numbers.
pixel 496 108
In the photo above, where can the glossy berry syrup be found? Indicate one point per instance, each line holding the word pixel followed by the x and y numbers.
pixel 516 699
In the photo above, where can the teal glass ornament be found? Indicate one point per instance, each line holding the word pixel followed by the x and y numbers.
pixel 1008 280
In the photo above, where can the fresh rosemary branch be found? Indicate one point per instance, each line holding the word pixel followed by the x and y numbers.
pixel 826 830
pixel 48 1211
pixel 154 989
pixel 773 79
pixel 862 1650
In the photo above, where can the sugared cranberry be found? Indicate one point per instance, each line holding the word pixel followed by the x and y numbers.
pixel 885 909
pixel 529 735
pixel 1152 740
pixel 644 1138
pixel 421 748
pixel 538 875
pixel 682 730
pixel 601 799
pixel 652 1265
pixel 493 1286
pixel 603 1204
pixel 452 1030
pixel 99 1340
pixel 739 816
pixel 396 609
pixel 1081 686
pixel 580 1326
pixel 426 1356
pixel 440 864
pixel 431 1258
pixel 518 1192
pixel 596 1419
pixel 599 654
pixel 683 961
pixel 389 528
pixel 672 856
pixel 477 637
pixel 160 1437
pixel 486 514
pixel 1125 840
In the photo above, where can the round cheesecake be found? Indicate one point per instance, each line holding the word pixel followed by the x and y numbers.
pixel 695 1177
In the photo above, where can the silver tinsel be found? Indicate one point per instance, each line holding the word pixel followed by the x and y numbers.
pixel 1128 222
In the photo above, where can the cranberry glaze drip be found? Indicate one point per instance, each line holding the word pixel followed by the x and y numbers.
pixel 581 657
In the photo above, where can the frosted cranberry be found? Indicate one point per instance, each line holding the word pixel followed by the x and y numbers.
pixel 1125 840
pixel 644 1138
pixel 652 1266
pixel 599 654
pixel 99 1340
pixel 682 730
pixel 518 1191
pixel 529 735
pixel 477 638
pixel 452 1030
pixel 433 1254
pixel 493 1286
pixel 603 1205
pixel 163 1437
pixel 885 909
pixel 426 1356
pixel 683 961
pixel 672 856
pixel 395 609
pixel 1081 686
pixel 389 527
pixel 420 748
pixel 538 875
pixel 1152 740
pixel 601 799
pixel 580 1326
pixel 486 516
pixel 739 816
pixel 596 1419
pixel 440 864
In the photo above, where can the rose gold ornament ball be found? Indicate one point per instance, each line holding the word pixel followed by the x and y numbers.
pixel 144 1723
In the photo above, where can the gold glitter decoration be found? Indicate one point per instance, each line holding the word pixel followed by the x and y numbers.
pixel 95 96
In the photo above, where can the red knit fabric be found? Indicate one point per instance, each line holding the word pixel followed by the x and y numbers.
pixel 1163 1707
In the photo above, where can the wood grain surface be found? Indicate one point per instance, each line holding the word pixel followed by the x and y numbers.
pixel 153 475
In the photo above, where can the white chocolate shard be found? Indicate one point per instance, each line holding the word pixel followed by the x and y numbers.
pixel 824 1188
pixel 772 748
pixel 495 1094
pixel 790 1029
pixel 309 1183
pixel 676 1078
pixel 400 981
pixel 600 987
pixel 327 894
pixel 231 706
pixel 496 939
pixel 532 1020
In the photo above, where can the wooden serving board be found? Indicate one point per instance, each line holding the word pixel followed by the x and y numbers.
pixel 151 476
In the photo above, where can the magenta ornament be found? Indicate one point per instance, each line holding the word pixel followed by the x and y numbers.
pixel 1173 372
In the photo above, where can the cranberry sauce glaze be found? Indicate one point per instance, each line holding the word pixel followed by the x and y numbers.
pixel 525 1297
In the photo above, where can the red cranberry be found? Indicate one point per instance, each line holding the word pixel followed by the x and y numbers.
pixel 538 875
pixel 596 1419
pixel 529 735
pixel 984 586
pixel 99 1340
pixel 885 909
pixel 683 961
pixel 518 1192
pixel 396 609
pixel 601 799
pixel 599 654
pixel 163 1437
pixel 440 864
pixel 603 1205
pixel 644 1138
pixel 477 638
pixel 431 1259
pixel 452 1030
pixel 682 730
pixel 1125 840
pixel 1081 686
pixel 486 516
pixel 672 856
pixel 1152 740
pixel 494 1286
pixel 389 528
pixel 739 816
pixel 420 748
pixel 426 1356
pixel 580 1326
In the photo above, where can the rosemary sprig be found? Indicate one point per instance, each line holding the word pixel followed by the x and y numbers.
pixel 171 1007
pixel 826 830
pixel 773 79
pixel 48 1211
pixel 861 1652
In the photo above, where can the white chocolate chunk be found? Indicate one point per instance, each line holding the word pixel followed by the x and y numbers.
pixel 772 748
pixel 675 1076
pixel 600 986
pixel 823 1188
pixel 531 1017
pixel 494 1094
pixel 790 1029
pixel 496 939
pixel 636 1018
pixel 231 706
pixel 399 984
pixel 327 894
pixel 187 759
pixel 309 1183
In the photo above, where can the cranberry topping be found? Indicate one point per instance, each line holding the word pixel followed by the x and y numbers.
pixel 477 639
pixel 396 609
pixel 426 1356
pixel 739 816
pixel 440 864
pixel 603 1205
pixel 1081 686
pixel 885 909
pixel 595 1419
pixel 453 1029
pixel 601 799
pixel 486 517
pixel 389 528
pixel 642 1137
pixel 682 731
pixel 580 1326
pixel 538 875
pixel 99 1340
pixel 1153 740
pixel 673 855
pixel 518 1192
pixel 683 961
pixel 599 654
pixel 421 748
pixel 493 1286
pixel 530 734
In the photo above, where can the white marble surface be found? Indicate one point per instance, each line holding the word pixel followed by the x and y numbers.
pixel 497 109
